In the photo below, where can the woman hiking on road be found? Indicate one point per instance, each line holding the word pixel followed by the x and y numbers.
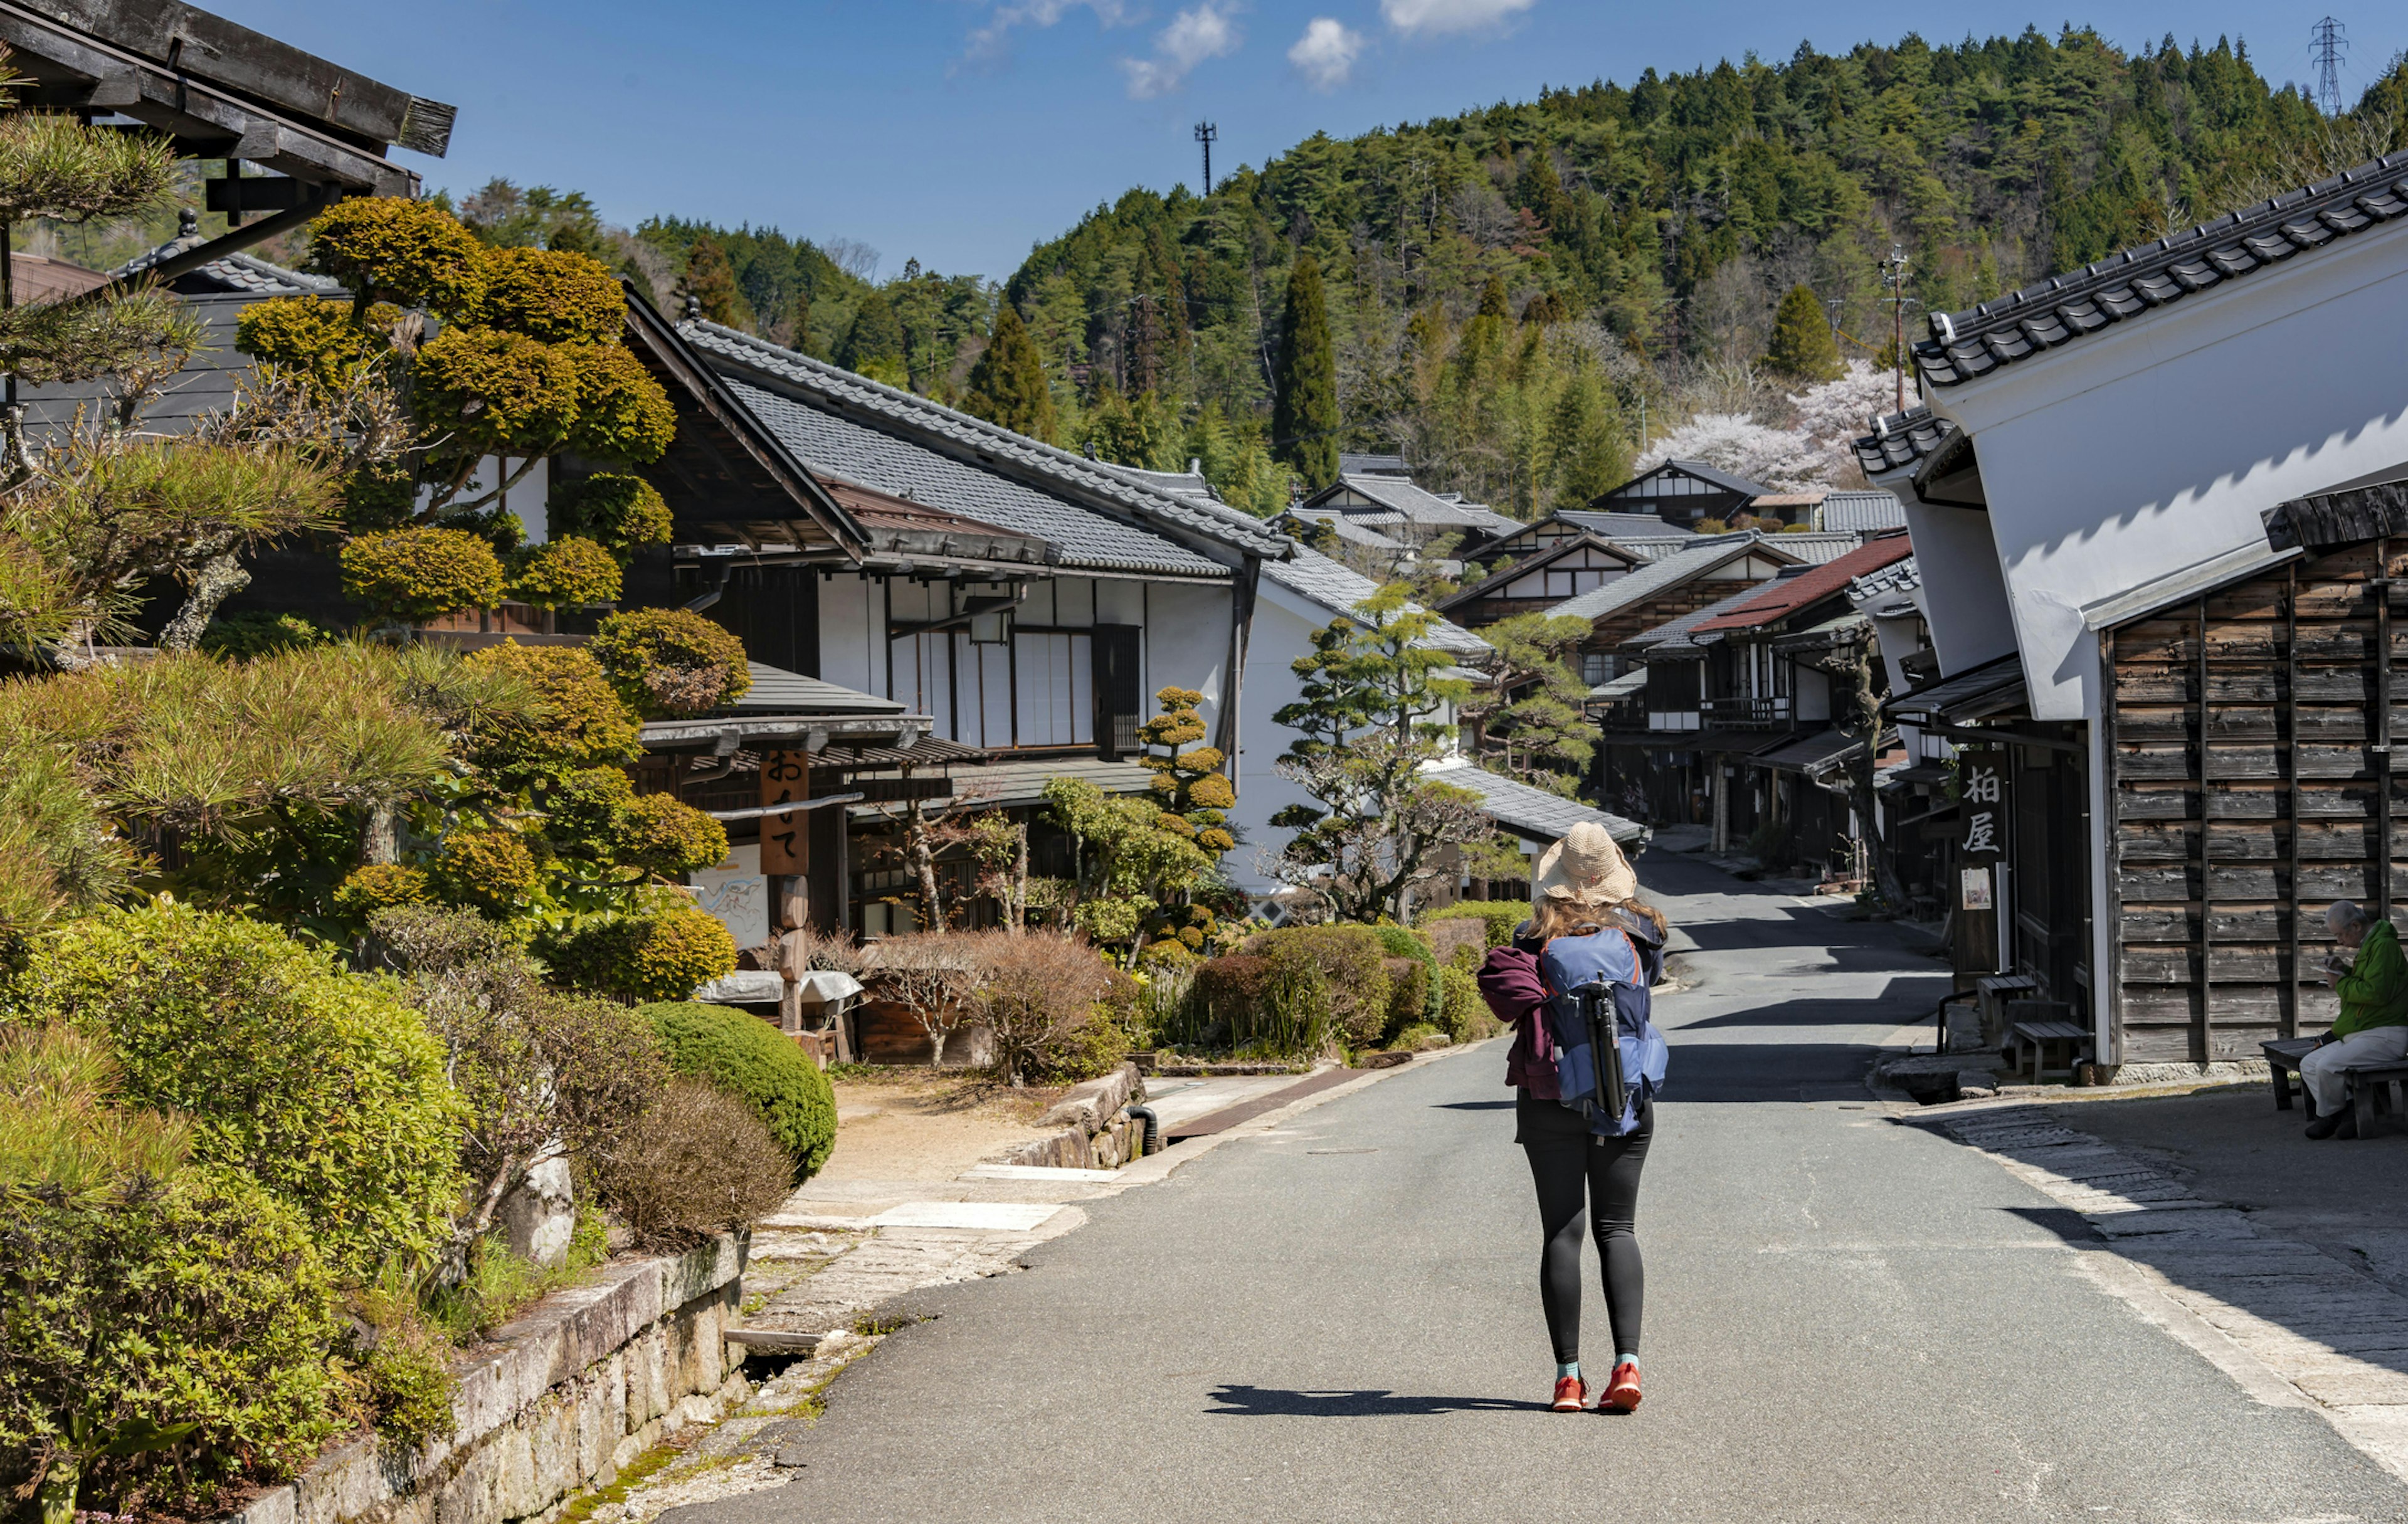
pixel 1587 921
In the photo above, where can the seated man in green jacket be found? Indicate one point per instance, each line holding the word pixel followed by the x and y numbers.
pixel 2373 1025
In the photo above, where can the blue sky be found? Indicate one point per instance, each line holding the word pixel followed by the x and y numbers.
pixel 962 131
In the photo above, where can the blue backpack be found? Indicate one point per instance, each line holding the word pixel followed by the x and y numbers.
pixel 1609 1056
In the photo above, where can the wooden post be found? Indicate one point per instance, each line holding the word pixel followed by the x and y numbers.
pixel 2288 1011
pixel 2383 722
pixel 2205 1049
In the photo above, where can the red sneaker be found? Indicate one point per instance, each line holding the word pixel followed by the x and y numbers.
pixel 1622 1388
pixel 1572 1392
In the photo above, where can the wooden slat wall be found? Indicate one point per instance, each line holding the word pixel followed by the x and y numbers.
pixel 2219 930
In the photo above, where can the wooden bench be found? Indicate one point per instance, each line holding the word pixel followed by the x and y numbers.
pixel 2035 1038
pixel 2373 1090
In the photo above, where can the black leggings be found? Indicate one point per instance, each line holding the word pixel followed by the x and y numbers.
pixel 1574 1171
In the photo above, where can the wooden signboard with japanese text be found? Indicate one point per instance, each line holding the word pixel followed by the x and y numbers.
pixel 1981 846
pixel 786 839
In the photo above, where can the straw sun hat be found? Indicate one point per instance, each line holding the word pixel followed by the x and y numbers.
pixel 1585 868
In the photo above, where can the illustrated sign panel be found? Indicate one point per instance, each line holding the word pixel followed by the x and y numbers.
pixel 737 893
pixel 1977 884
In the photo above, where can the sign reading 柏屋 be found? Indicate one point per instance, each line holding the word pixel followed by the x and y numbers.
pixel 1981 849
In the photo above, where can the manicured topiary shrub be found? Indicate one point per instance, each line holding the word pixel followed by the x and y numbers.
pixel 671 661
pixel 665 835
pixel 1411 985
pixel 314 335
pixel 1500 916
pixel 554 295
pixel 565 573
pixel 321 1084
pixel 739 1051
pixel 423 573
pixel 411 251
pixel 666 950
pixel 623 413
pixel 581 722
pixel 380 885
pixel 491 391
pixel 619 511
pixel 492 871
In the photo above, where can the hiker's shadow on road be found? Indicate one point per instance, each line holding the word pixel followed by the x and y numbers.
pixel 1277 1402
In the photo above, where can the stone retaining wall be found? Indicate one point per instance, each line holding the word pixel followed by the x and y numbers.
pixel 1097 1131
pixel 578 1389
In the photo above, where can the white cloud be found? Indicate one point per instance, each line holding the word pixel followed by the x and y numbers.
pixel 1209 31
pixel 1327 52
pixel 1415 17
pixel 991 40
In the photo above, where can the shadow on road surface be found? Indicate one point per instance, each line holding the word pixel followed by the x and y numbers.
pixel 1275 1402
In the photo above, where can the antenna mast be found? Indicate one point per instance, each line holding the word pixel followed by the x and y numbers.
pixel 2329 45
pixel 1206 134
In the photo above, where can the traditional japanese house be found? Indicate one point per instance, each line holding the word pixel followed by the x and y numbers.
pixel 2172 744
pixel 1679 493
pixel 1391 504
pixel 1571 523
pixel 1538 582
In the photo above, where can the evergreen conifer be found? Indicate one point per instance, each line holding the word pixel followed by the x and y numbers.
pixel 1007 386
pixel 1802 348
pixel 1304 410
pixel 876 336
pixel 710 280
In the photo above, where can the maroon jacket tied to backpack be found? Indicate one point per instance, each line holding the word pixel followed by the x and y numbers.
pixel 1516 995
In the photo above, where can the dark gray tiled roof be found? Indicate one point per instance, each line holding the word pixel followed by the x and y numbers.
pixel 1346 526
pixel 2022 324
pixel 1889 591
pixel 1900 440
pixel 1533 813
pixel 1698 468
pixel 1856 512
pixel 1701 554
pixel 1352 465
pixel 1418 505
pixel 1616 525
pixel 1673 638
pixel 905 413
pixel 1188 484
pixel 777 691
pixel 234 272
pixel 851 448
pixel 1338 588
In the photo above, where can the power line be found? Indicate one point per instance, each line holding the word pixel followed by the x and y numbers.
pixel 1206 134
pixel 2331 44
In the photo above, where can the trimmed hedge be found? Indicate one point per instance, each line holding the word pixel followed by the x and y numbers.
pixel 321 1084
pixel 1464 1014
pixel 1349 958
pixel 741 1052
pixel 1502 916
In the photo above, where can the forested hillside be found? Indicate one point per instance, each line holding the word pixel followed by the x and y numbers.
pixel 1511 295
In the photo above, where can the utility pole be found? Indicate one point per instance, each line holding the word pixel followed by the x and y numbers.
pixel 1206 134
pixel 2328 43
pixel 1893 274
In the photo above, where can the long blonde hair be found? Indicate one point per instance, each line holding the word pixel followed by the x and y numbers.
pixel 1556 915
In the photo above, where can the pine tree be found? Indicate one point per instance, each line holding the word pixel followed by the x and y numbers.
pixel 1591 455
pixel 876 336
pixel 1304 410
pixel 1802 348
pixel 1007 386
pixel 1491 299
pixel 710 280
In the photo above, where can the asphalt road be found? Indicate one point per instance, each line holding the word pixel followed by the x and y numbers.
pixel 1849 1319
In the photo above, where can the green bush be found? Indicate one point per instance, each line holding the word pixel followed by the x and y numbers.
pixel 239 637
pixel 1296 1015
pixel 666 950
pixel 565 572
pixel 742 1053
pixel 422 574
pixel 1410 986
pixel 406 1386
pixel 1354 981
pixel 1464 1014
pixel 321 1084
pixel 200 1302
pixel 1502 916
pixel 1422 1004
pixel 668 662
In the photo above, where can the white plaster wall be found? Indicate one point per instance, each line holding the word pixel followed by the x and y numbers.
pixel 1964 591
pixel 1186 643
pixel 1283 631
pixel 2149 448
pixel 852 633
